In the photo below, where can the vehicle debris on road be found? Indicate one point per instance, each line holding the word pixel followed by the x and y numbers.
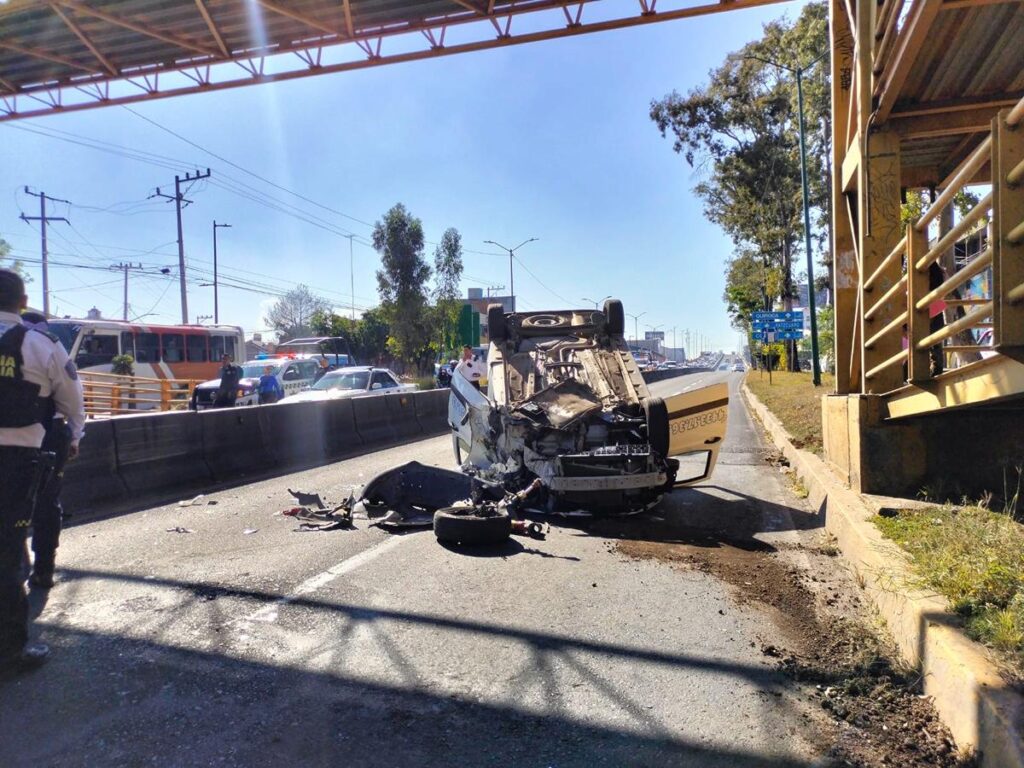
pixel 180 529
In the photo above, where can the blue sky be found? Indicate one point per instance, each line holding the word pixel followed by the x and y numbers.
pixel 548 140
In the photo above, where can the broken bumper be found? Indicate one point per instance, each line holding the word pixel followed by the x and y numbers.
pixel 605 483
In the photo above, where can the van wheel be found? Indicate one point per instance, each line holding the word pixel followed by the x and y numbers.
pixel 657 424
pixel 462 525
pixel 497 330
pixel 615 317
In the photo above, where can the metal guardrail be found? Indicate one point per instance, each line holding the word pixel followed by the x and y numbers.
pixel 109 394
pixel 908 304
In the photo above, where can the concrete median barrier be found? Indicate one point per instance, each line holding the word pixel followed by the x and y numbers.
pixel 160 451
pixel 295 432
pixel 402 415
pixel 432 411
pixel 340 436
pixel 92 478
pixel 373 421
pixel 233 443
pixel 652 376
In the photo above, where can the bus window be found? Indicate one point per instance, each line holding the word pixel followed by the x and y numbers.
pixel 229 346
pixel 216 348
pixel 128 343
pixel 96 349
pixel 173 345
pixel 196 348
pixel 67 333
pixel 147 348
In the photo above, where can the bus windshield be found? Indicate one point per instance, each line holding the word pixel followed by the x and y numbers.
pixel 66 332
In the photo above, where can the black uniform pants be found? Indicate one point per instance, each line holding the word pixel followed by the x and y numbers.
pixel 46 518
pixel 19 474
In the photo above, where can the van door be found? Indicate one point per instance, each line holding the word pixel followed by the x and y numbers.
pixel 696 428
pixel 468 411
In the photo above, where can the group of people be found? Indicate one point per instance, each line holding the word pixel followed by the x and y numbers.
pixel 42 420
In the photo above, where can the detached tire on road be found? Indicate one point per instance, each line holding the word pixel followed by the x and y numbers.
pixel 460 525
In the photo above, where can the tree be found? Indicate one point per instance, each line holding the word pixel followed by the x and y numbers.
pixel 447 296
pixel 367 337
pixel 740 132
pixel 12 264
pixel 402 284
pixel 292 316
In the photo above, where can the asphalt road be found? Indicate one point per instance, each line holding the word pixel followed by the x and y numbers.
pixel 242 642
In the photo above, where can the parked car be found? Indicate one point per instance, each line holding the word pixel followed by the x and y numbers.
pixel 567 405
pixel 354 381
pixel 294 376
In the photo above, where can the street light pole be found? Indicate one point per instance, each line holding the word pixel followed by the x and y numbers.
pixel 597 303
pixel 799 72
pixel 636 335
pixel 815 367
pixel 216 307
pixel 511 276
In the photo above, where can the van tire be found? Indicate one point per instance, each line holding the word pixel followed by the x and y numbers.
pixel 615 317
pixel 461 525
pixel 497 330
pixel 656 413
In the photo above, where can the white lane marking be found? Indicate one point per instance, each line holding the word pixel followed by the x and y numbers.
pixel 268 613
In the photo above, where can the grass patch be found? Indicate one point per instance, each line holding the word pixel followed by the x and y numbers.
pixel 975 558
pixel 795 402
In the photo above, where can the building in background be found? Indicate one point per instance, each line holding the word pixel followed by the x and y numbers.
pixel 478 303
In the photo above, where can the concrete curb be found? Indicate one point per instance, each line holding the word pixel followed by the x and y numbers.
pixel 970 696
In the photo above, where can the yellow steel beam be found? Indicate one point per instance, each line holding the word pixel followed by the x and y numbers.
pixel 211 25
pixel 303 18
pixel 46 56
pixel 911 38
pixel 986 381
pixel 135 26
pixel 107 65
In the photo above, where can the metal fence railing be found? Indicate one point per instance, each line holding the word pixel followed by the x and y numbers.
pixel 108 394
pixel 953 320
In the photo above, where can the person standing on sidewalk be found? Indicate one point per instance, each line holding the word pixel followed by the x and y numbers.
pixel 33 368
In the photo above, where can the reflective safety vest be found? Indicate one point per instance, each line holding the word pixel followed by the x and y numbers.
pixel 20 403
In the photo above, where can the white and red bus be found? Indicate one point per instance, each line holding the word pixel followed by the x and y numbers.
pixel 160 351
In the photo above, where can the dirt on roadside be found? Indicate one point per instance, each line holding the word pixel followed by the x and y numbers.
pixel 872 709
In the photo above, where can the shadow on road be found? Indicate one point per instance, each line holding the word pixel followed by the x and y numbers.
pixel 121 700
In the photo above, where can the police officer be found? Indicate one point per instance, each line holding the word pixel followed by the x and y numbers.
pixel 230 375
pixel 469 367
pixel 46 518
pixel 33 368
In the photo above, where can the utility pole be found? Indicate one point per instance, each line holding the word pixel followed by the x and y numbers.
pixel 200 318
pixel 178 199
pixel 352 274
pixel 42 218
pixel 125 268
pixel 494 288
pixel 216 306
pixel 674 347
pixel 511 276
